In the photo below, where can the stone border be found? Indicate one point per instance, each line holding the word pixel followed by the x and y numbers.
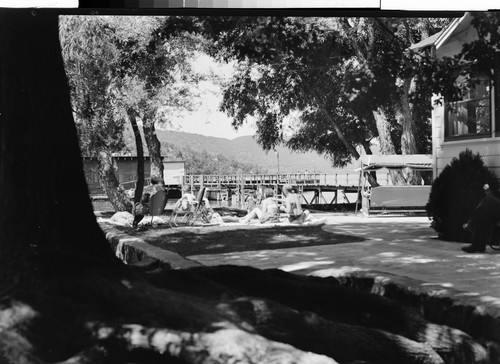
pixel 132 250
pixel 474 314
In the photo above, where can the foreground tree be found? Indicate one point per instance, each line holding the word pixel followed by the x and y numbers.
pixel 66 298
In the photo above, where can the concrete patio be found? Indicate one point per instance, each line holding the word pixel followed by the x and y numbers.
pixel 404 246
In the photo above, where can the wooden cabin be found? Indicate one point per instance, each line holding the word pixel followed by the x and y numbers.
pixel 126 172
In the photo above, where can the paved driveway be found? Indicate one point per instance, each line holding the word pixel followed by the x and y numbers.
pixel 404 246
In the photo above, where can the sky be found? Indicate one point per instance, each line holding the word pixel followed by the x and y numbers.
pixel 207 119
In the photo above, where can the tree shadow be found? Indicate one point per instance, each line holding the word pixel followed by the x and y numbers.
pixel 215 240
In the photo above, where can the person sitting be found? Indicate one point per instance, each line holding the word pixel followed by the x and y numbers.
pixel 140 209
pixel 155 186
pixel 482 221
pixel 269 212
pixel 187 200
pixel 292 205
pixel 206 203
pixel 251 201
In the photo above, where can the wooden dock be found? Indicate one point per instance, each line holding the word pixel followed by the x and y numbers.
pixel 311 186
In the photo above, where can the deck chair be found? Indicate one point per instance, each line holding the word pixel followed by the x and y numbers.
pixel 157 204
pixel 201 212
pixel 188 213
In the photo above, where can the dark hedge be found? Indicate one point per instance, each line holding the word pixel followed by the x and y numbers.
pixel 456 192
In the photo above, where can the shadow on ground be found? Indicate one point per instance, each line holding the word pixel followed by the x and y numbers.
pixel 219 239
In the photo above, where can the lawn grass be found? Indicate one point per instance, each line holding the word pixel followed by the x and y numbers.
pixel 224 239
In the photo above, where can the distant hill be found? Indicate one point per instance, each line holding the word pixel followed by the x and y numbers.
pixel 246 150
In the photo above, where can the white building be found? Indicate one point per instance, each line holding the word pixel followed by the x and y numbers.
pixel 472 122
pixel 173 172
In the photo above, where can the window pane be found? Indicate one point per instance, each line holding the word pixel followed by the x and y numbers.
pixel 468 118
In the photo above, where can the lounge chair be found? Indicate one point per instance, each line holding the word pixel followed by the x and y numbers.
pixel 190 212
pixel 157 204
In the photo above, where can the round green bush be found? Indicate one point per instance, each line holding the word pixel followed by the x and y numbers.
pixel 456 192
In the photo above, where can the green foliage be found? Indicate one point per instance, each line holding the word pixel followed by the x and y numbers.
pixel 90 59
pixel 313 132
pixel 335 69
pixel 456 192
pixel 115 64
pixel 153 74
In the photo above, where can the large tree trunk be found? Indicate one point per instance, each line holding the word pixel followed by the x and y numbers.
pixel 109 182
pixel 405 116
pixel 154 146
pixel 140 155
pixel 408 143
pixel 386 144
pixel 47 213
pixel 65 297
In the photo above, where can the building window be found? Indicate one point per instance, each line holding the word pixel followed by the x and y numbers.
pixel 496 89
pixel 470 117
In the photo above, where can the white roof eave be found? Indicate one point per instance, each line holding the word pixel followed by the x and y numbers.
pixel 448 32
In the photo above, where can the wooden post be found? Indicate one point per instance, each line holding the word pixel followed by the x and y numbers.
pixel 321 196
pixel 358 193
pixel 316 196
pixel 242 190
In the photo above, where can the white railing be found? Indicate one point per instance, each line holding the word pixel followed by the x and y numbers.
pixel 309 179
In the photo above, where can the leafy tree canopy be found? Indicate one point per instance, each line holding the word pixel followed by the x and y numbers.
pixel 335 71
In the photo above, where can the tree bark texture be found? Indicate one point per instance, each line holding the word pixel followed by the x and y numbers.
pixel 109 182
pixel 139 186
pixel 154 147
pixel 408 142
pixel 45 207
pixel 405 111
pixel 386 144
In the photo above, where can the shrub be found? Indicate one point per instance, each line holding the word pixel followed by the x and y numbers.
pixel 456 192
